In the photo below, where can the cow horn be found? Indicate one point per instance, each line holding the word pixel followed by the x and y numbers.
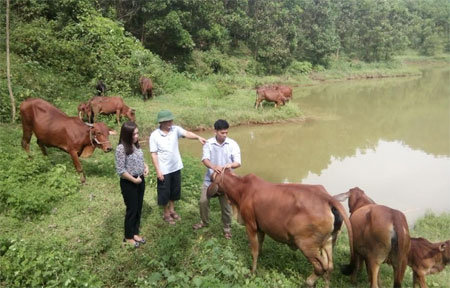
pixel 89 124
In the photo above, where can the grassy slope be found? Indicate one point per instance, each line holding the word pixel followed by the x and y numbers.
pixel 91 222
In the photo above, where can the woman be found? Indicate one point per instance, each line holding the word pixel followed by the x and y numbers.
pixel 132 169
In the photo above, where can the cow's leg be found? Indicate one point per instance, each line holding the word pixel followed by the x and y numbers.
pixel 254 244
pixel 77 164
pixel 118 117
pixel 42 146
pixel 260 239
pixel 419 280
pixel 355 271
pixel 312 253
pixel 373 267
pixel 26 137
pixel 327 252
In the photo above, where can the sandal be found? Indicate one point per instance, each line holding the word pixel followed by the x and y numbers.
pixel 135 244
pixel 169 220
pixel 227 235
pixel 175 216
pixel 142 241
pixel 199 225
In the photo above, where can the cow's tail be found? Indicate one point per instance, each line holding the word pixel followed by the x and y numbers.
pixel 400 242
pixel 338 206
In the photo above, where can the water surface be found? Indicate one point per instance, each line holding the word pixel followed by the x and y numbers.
pixel 390 137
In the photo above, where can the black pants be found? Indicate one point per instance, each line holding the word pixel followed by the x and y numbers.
pixel 133 196
pixel 170 188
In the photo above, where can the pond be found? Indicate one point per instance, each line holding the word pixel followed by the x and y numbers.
pixel 389 137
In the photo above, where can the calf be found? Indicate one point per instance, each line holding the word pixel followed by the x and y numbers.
pixel 427 258
pixel 270 95
pixel 380 234
pixel 146 86
pixel 53 128
pixel 110 105
pixel 305 217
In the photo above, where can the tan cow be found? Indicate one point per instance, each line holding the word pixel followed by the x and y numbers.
pixel 269 94
pixel 305 217
pixel 380 234
pixel 427 258
pixel 110 105
pixel 53 128
pixel 146 86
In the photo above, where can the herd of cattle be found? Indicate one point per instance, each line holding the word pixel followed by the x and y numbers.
pixel 305 217
pixel 308 218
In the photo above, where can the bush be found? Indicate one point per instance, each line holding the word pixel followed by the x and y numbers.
pixel 297 67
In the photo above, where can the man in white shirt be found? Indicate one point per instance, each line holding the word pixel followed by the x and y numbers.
pixel 167 162
pixel 219 153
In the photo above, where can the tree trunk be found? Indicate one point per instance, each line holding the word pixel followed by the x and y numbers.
pixel 8 68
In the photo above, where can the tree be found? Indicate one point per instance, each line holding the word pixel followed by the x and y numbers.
pixel 8 67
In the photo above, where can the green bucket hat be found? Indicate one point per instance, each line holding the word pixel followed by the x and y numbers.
pixel 164 115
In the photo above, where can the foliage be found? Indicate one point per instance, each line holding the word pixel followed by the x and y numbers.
pixel 20 179
pixel 34 264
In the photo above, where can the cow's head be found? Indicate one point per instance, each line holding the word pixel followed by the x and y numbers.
pixel 356 199
pixel 214 189
pixel 444 247
pixel 99 135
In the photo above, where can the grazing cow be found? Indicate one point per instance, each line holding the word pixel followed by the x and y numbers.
pixel 101 88
pixel 305 217
pixel 110 105
pixel 427 258
pixel 53 128
pixel 380 234
pixel 146 87
pixel 270 95
pixel 83 110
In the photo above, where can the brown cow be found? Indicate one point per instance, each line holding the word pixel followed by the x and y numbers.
pixel 110 105
pixel 146 86
pixel 305 217
pixel 83 110
pixel 380 234
pixel 427 258
pixel 270 95
pixel 53 128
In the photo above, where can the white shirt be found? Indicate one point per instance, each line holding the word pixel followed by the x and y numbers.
pixel 166 146
pixel 220 154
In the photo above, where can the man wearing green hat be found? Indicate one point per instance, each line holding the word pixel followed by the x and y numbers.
pixel 167 162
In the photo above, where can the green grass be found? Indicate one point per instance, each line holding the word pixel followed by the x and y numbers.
pixel 81 235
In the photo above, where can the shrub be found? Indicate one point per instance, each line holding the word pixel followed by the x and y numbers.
pixel 297 67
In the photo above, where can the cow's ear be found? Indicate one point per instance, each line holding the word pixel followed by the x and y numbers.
pixel 442 247
pixel 112 132
pixel 342 197
pixel 87 151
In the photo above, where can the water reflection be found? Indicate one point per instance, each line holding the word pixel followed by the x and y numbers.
pixel 393 174
pixel 390 137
